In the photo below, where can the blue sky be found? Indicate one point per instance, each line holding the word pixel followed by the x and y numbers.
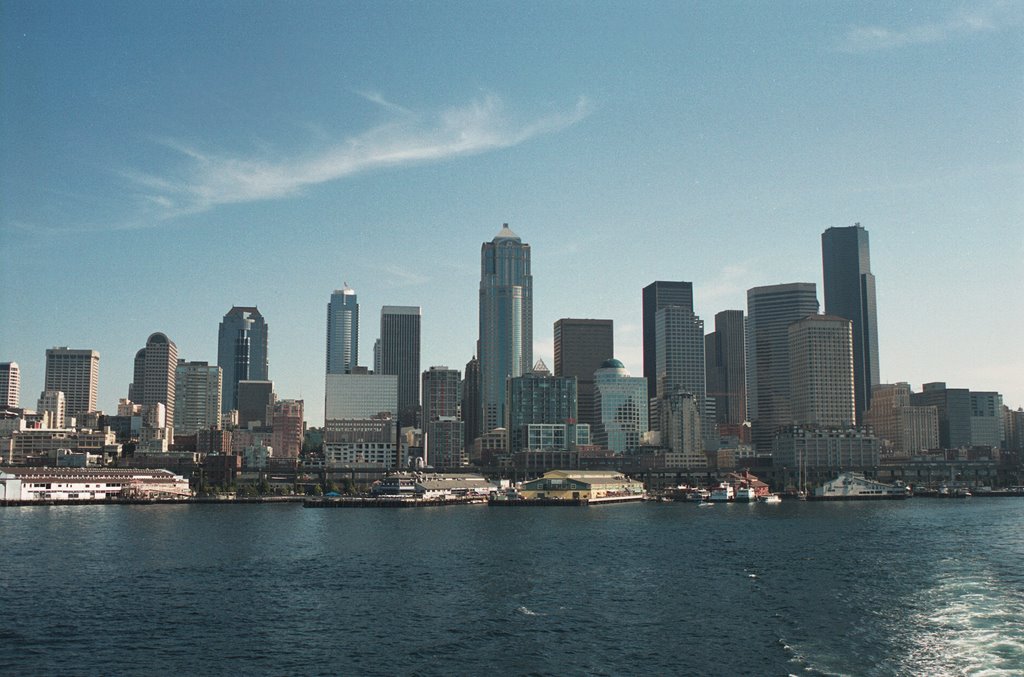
pixel 162 162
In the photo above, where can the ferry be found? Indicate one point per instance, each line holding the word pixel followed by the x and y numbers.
pixel 746 495
pixel 769 498
pixel 723 493
pixel 852 486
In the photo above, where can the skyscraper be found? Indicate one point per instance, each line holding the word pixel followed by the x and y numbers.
pixel 445 432
pixel 76 373
pixel 241 351
pixel 770 311
pixel 288 428
pixel 506 321
pixel 471 407
pixel 538 397
pixel 10 384
pixel 656 296
pixel 821 371
pixel 725 359
pixel 198 388
pixel 850 292
pixel 400 356
pixel 154 383
pixel 679 350
pixel 620 402
pixel 342 331
pixel 51 404
pixel 581 347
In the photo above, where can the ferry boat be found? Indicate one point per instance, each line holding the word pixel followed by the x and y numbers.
pixel 769 498
pixel 852 486
pixel 745 495
pixel 723 493
pixel 698 495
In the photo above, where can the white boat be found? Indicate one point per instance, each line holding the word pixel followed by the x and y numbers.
pixel 769 498
pixel 698 495
pixel 746 495
pixel 705 504
pixel 723 493
pixel 852 486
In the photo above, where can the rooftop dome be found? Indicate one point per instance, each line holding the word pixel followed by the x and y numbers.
pixel 612 364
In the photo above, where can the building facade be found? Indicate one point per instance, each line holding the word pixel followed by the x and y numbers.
pixel 954 411
pixel 821 371
pixel 400 356
pixel 581 347
pixel 620 402
pixel 506 321
pixel 155 372
pixel 241 351
pixel 679 347
pixel 52 405
pixel 770 311
pixel 76 373
pixel 902 429
pixel 10 384
pixel 725 368
pixel 849 288
pixel 472 411
pixel 657 295
pixel 538 397
pixel 342 331
pixel 255 403
pixel 289 428
pixel 198 388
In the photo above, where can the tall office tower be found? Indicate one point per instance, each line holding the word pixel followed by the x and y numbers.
pixel 850 292
pixel 288 423
pixel 681 429
pixel 679 350
pixel 255 403
pixel 954 410
pixel 445 432
pixel 198 388
pixel 471 407
pixel 10 384
pixel 506 321
pixel 901 428
pixel 986 419
pixel 52 405
pixel 770 311
pixel 76 373
pixel 656 296
pixel 241 351
pixel 400 356
pixel 359 419
pixel 620 403
pixel 581 347
pixel 726 369
pixel 441 393
pixel 538 397
pixel 342 331
pixel 821 371
pixel 155 367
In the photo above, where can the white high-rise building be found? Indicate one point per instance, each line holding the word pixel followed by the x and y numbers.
pixel 10 384
pixel 621 406
pixel 198 388
pixel 76 373
pixel 53 406
pixel 821 372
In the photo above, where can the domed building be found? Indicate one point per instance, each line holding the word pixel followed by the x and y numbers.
pixel 620 402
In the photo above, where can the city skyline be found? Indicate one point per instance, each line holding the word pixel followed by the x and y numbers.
pixel 712 144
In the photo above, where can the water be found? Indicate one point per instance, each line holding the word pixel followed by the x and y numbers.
pixel 914 587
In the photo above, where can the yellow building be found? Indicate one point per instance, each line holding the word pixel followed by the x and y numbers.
pixel 588 485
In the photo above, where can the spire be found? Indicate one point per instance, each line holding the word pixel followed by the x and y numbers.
pixel 506 234
pixel 541 369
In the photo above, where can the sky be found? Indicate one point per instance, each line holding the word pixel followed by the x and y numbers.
pixel 161 162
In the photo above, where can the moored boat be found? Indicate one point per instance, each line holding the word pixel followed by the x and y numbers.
pixel 852 486
pixel 769 498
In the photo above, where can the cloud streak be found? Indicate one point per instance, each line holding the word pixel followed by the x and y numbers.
pixel 212 179
pixel 982 19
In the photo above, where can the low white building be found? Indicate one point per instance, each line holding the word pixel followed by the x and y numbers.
pixel 89 484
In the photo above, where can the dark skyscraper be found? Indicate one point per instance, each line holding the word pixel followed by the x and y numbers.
pixel 400 355
pixel 581 347
pixel 770 311
pixel 471 407
pixel 506 321
pixel 850 293
pixel 241 351
pixel 726 367
pixel 656 296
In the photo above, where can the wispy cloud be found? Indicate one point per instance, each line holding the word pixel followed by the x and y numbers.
pixel 984 18
pixel 209 179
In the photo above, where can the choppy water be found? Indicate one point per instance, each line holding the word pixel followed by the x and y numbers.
pixel 916 587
